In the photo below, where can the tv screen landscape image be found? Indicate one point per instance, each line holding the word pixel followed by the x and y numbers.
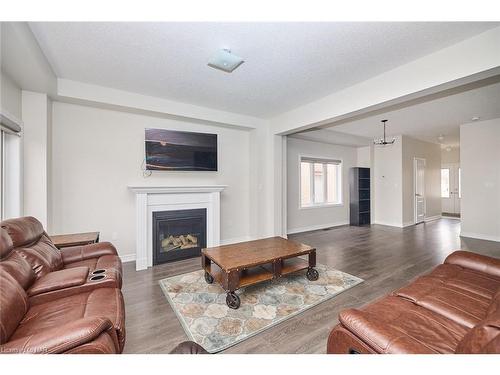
pixel 169 150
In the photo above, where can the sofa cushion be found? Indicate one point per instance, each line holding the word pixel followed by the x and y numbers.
pixel 462 306
pixel 104 302
pixel 484 338
pixel 78 253
pixel 61 338
pixel 6 244
pixel 49 253
pixel 28 233
pixel 19 268
pixel 483 284
pixel 476 262
pixel 13 305
pixel 395 325
pixel 23 231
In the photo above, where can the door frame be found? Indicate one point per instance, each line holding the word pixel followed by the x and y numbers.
pixel 415 215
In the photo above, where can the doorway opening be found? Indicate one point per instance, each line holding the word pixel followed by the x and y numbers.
pixel 419 188
pixel 451 193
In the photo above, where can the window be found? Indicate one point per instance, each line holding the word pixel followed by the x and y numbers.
pixel 445 183
pixel 320 182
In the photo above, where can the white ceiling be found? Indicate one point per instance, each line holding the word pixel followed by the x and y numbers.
pixel 286 64
pixel 428 120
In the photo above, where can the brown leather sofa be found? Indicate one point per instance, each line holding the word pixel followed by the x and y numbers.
pixel 55 301
pixel 453 309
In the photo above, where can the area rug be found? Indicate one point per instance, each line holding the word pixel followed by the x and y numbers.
pixel 204 315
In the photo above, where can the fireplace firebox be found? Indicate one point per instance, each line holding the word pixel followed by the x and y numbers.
pixel 178 234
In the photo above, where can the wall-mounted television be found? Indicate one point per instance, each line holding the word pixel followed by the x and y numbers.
pixel 168 150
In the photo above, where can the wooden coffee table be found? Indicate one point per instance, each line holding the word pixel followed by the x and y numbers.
pixel 247 263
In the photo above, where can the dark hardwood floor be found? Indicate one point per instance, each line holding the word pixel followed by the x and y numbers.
pixel 385 257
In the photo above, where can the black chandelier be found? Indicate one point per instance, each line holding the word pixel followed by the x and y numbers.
pixel 383 141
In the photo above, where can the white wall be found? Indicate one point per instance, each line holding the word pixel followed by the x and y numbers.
pixel 452 156
pixel 387 192
pixel 480 163
pixel 36 117
pixel 363 157
pixel 431 152
pixel 23 60
pixel 96 153
pixel 10 96
pixel 299 220
pixel 11 194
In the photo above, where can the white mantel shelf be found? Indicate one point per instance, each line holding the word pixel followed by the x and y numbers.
pixel 176 189
pixel 150 198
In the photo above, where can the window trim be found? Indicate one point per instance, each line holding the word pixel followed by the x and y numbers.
pixel 323 159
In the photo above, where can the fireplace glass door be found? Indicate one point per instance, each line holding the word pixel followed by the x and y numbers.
pixel 178 234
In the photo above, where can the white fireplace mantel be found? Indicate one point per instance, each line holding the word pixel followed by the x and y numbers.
pixel 151 199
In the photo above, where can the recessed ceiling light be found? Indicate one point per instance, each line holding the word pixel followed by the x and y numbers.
pixel 225 61
pixel 475 118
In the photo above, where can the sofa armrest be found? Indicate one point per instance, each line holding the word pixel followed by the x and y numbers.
pixel 476 262
pixel 78 253
pixel 379 335
pixel 59 339
pixel 57 280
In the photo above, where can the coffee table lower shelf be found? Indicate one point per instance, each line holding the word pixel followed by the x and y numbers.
pixel 237 279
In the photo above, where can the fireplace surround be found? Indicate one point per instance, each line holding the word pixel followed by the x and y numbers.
pixel 151 199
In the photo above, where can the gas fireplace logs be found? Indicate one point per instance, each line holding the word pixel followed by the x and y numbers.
pixel 179 242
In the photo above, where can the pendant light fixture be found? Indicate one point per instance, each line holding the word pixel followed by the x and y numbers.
pixel 383 141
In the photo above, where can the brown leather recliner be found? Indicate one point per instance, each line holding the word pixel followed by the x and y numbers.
pixel 91 321
pixel 453 309
pixel 32 242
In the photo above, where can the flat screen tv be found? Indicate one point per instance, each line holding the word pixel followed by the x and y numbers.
pixel 168 150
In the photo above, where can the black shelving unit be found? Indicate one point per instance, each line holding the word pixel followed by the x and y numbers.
pixel 359 196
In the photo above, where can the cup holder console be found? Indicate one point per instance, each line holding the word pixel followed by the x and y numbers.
pixel 97 272
pixel 97 277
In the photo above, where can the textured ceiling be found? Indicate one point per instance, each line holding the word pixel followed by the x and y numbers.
pixel 428 120
pixel 286 64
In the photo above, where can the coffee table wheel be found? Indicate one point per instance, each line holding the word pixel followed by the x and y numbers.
pixel 312 274
pixel 232 300
pixel 209 278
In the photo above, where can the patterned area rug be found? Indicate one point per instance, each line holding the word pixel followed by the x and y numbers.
pixel 202 310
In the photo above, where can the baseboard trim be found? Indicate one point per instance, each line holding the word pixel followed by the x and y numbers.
pixel 127 258
pixel 432 218
pixel 480 236
pixel 316 227
pixel 389 224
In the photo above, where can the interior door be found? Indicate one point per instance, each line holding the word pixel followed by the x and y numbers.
pixel 450 188
pixel 419 178
pixel 456 189
pixel 447 202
